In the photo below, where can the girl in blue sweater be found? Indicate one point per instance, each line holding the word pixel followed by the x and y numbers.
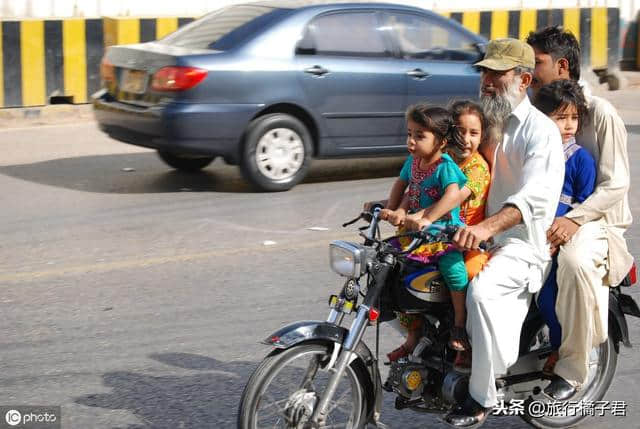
pixel 564 102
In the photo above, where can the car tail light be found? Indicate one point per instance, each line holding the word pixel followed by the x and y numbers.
pixel 107 71
pixel 177 78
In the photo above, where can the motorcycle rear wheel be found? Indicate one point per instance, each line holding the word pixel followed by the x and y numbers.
pixel 284 389
pixel 602 367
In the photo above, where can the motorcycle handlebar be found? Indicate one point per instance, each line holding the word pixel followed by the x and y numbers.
pixel 424 235
pixel 446 232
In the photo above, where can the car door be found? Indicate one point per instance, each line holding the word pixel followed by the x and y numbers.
pixel 351 80
pixel 438 57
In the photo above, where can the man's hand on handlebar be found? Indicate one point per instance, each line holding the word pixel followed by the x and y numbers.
pixel 470 237
pixel 394 217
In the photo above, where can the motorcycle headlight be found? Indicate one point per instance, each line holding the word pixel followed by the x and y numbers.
pixel 348 259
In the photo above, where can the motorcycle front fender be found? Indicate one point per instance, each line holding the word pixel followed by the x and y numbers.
pixel 305 330
pixel 313 330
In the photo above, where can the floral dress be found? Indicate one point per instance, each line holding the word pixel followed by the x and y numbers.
pixel 472 210
pixel 476 169
pixel 425 187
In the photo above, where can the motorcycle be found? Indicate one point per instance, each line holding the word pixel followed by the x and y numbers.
pixel 322 374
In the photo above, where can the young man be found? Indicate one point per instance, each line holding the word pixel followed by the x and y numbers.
pixel 528 170
pixel 592 252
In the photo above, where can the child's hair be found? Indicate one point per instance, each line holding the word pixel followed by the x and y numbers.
pixel 561 94
pixel 435 119
pixel 466 107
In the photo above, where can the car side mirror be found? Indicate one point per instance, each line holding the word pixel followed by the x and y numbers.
pixel 481 48
pixel 305 45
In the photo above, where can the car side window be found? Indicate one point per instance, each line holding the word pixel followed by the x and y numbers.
pixel 421 37
pixel 226 28
pixel 355 34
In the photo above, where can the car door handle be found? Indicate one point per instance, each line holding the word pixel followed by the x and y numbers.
pixel 418 73
pixel 316 70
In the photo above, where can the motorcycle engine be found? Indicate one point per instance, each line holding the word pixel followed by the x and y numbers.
pixel 406 378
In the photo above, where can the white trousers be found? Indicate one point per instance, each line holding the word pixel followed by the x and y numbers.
pixel 582 305
pixel 498 300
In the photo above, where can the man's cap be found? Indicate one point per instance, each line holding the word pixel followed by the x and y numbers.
pixel 505 54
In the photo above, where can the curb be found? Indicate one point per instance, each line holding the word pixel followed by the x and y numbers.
pixel 45 115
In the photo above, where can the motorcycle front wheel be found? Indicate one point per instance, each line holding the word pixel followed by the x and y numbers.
pixel 285 388
pixel 603 361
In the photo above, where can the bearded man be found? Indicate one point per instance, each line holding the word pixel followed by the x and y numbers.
pixel 527 175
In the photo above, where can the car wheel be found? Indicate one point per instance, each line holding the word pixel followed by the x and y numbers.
pixel 276 153
pixel 185 163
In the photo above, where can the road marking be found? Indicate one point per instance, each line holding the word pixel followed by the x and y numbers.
pixel 104 267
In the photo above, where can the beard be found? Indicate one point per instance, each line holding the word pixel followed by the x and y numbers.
pixel 498 106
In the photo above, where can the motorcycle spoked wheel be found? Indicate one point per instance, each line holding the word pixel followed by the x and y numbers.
pixel 277 395
pixel 603 361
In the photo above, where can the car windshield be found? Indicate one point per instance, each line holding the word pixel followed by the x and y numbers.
pixel 224 29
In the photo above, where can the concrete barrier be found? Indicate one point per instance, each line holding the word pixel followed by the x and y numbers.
pixel 58 60
pixel 41 59
pixel 123 31
pixel 597 29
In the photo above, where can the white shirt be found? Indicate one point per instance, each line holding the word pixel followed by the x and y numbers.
pixel 528 172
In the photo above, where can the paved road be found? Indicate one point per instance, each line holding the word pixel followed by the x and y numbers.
pixel 134 296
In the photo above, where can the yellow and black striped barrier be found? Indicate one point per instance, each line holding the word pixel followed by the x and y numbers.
pixel 597 29
pixel 123 31
pixel 44 59
pixel 638 41
pixel 40 59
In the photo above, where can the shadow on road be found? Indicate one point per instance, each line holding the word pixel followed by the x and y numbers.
pixel 145 173
pixel 204 400
pixel 210 398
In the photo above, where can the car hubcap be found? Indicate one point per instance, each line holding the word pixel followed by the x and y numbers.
pixel 280 154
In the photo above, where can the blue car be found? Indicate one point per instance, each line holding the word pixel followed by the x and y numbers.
pixel 269 86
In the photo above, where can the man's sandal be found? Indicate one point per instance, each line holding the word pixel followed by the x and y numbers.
pixel 458 340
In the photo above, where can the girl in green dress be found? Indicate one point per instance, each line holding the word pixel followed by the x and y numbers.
pixel 433 197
